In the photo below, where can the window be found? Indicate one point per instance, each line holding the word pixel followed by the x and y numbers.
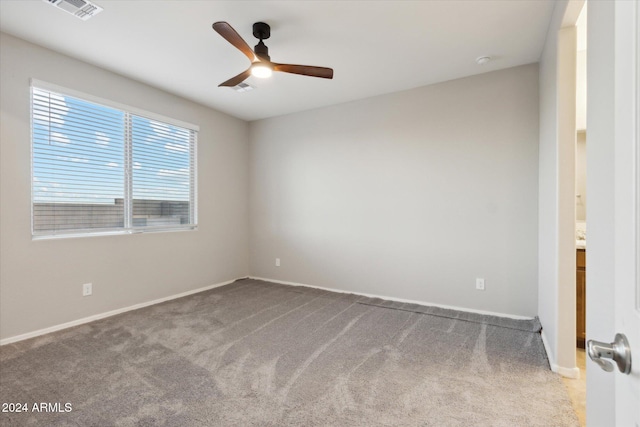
pixel 98 167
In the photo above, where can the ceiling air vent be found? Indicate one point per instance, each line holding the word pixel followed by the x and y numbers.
pixel 243 87
pixel 82 9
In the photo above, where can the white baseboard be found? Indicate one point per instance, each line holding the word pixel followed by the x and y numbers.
pixel 565 372
pixel 573 373
pixel 547 349
pixel 450 307
pixel 95 317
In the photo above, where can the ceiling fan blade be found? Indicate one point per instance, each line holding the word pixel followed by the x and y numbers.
pixel 305 70
pixel 234 81
pixel 230 35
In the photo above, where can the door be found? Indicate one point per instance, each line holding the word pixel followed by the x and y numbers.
pixel 614 306
pixel 627 204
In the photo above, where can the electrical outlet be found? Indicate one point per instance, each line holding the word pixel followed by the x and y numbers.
pixel 87 289
pixel 277 262
pixel 480 284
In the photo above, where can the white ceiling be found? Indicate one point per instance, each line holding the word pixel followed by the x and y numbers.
pixel 374 47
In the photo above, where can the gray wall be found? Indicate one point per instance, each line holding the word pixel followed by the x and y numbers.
pixel 40 281
pixel 411 195
pixel 548 186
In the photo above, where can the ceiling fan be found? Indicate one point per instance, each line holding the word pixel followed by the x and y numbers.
pixel 261 65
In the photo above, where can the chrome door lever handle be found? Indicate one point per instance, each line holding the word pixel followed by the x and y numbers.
pixel 618 351
pixel 604 364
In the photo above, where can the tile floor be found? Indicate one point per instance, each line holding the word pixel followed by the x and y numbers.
pixel 577 388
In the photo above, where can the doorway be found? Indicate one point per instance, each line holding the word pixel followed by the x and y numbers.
pixel 613 253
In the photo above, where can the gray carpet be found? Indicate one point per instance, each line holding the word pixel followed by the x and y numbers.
pixel 261 354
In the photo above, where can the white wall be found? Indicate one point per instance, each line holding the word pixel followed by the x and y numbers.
pixel 556 257
pixel 581 176
pixel 581 95
pixel 411 195
pixel 40 281
pixel 547 187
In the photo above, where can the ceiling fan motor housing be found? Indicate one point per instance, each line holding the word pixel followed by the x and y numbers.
pixel 262 31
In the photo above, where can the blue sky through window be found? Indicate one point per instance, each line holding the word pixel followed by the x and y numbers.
pixel 79 153
pixel 161 161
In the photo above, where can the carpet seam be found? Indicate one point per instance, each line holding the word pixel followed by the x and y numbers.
pixel 448 317
pixel 536 331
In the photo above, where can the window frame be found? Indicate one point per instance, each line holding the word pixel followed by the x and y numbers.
pixel 128 226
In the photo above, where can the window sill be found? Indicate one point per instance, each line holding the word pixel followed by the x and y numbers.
pixel 146 230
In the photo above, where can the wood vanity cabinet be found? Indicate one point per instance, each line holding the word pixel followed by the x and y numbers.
pixel 581 276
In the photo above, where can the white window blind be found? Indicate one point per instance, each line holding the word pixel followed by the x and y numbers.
pixel 98 168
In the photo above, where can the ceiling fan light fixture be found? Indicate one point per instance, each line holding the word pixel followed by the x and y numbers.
pixel 261 70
